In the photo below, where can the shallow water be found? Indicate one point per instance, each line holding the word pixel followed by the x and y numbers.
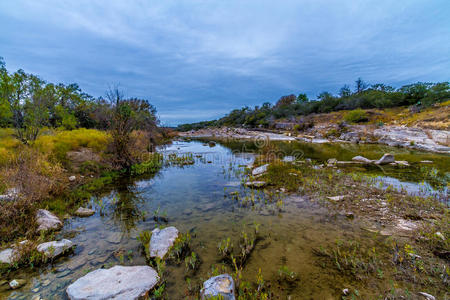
pixel 193 198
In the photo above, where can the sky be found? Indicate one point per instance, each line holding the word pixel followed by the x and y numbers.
pixel 198 59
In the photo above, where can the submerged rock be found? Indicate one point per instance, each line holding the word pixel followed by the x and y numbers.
pixel 255 184
pixel 115 238
pixel 47 221
pixel 55 248
pixel 219 286
pixel 362 159
pixel 386 159
pixel 118 282
pixel 84 212
pixel 260 170
pixel 162 240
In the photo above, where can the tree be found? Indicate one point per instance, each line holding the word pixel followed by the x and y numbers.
pixel 5 109
pixel 127 115
pixel 360 85
pixel 345 91
pixel 286 100
pixel 302 98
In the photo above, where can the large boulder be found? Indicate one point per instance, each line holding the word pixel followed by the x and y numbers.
pixel 118 282
pixel 162 240
pixel 47 221
pixel 84 212
pixel 386 159
pixel 219 286
pixel 362 159
pixel 260 170
pixel 55 248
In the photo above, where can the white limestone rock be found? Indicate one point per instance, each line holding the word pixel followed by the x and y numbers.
pixel 47 221
pixel 55 248
pixel 386 159
pixel 260 170
pixel 118 282
pixel 219 286
pixel 84 212
pixel 162 240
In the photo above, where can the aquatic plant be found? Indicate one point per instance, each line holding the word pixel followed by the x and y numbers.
pixel 225 248
pixel 352 258
pixel 145 237
pixel 180 247
pixel 158 293
pixel 160 217
pixel 174 159
pixel 192 262
pixel 151 165
pixel 286 275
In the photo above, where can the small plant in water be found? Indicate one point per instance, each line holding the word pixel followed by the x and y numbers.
pixel 160 217
pixel 180 247
pixel 286 275
pixel 225 248
pixel 192 261
pixel 145 237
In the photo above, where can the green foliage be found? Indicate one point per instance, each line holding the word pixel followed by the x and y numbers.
pixel 145 237
pixel 365 97
pixel 28 103
pixel 151 165
pixel 281 174
pixel 356 116
pixel 180 160
pixel 180 247
pixel 286 275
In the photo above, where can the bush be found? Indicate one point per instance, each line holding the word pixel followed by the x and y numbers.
pixel 64 141
pixel 356 116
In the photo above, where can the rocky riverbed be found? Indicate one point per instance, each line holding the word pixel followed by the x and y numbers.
pixel 282 232
pixel 399 136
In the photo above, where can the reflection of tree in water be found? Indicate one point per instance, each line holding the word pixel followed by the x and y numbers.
pixel 127 209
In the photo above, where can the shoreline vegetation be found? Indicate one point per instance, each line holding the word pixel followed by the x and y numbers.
pixel 59 146
pixel 378 104
pixel 413 116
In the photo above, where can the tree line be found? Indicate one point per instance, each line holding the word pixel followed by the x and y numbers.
pixel 363 96
pixel 29 104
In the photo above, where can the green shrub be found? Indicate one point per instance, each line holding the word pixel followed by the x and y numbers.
pixel 356 116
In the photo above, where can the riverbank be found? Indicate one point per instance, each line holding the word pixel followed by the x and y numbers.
pixel 397 136
pixel 313 230
pixel 59 171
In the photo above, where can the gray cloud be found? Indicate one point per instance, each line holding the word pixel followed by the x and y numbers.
pixel 196 60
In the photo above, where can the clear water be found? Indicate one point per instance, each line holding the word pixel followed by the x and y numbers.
pixel 193 198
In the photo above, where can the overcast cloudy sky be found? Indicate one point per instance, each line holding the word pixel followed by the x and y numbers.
pixel 196 60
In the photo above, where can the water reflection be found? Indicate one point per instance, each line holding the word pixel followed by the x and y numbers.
pixel 195 199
